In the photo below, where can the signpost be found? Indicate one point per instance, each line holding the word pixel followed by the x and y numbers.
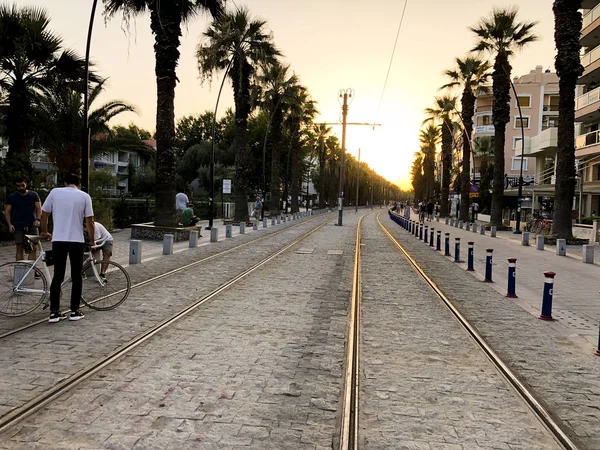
pixel 226 186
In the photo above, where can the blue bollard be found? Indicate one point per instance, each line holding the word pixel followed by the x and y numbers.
pixel 447 244
pixel 416 229
pixel 421 231
pixel 548 295
pixel 426 234
pixel 431 238
pixel 439 241
pixel 470 254
pixel 488 265
pixel 456 249
pixel 512 278
pixel 597 353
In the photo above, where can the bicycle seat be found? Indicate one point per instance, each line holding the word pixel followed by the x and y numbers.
pixel 34 237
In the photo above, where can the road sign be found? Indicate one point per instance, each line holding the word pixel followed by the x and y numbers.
pixel 474 188
pixel 473 194
pixel 226 186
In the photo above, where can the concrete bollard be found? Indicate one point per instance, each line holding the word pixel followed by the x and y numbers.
pixel 265 222
pixel 168 240
pixel 438 246
pixel 193 239
pixel 561 247
pixel 431 237
pixel 525 239
pixel 228 234
pixel 214 234
pixel 447 244
pixel 446 221
pixel 588 254
pixel 255 225
pixel 278 220
pixel 488 265
pixel 511 291
pixel 272 221
pixel 457 250
pixel 548 296
pixel 461 224
pixel 437 218
pixel 482 230
pixel 456 224
pixel 242 227
pixel 451 221
pixel 468 226
pixel 539 242
pixel 474 226
pixel 470 257
pixel 135 252
pixel 426 234
pixel 493 231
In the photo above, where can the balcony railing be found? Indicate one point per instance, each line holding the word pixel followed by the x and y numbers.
pixel 587 99
pixel 587 139
pixel 590 57
pixel 590 17
pixel 551 108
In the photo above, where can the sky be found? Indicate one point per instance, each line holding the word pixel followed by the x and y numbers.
pixel 330 45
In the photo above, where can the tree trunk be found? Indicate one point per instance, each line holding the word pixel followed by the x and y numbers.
pixel 240 76
pixel 276 144
pixel 295 170
pixel 322 175
pixel 567 28
pixel 165 22
pixel 468 110
pixel 446 163
pixel 500 117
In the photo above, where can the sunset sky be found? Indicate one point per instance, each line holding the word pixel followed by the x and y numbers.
pixel 330 44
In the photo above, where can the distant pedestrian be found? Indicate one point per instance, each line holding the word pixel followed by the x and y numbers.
pixel 69 207
pixel 430 210
pixel 474 210
pixel 22 212
pixel 256 208
pixel 181 202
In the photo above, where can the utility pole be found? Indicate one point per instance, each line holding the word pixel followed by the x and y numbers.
pixel 357 182
pixel 344 94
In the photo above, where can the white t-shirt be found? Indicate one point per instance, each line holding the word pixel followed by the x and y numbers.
pixel 181 201
pixel 101 234
pixel 69 206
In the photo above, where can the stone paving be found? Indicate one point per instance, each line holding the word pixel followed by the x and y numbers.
pixel 258 367
pixel 562 371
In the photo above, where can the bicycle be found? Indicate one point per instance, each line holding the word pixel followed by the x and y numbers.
pixel 24 286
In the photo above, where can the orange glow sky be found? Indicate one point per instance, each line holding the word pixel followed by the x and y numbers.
pixel 330 44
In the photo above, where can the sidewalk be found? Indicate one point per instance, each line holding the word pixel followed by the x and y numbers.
pixel 576 304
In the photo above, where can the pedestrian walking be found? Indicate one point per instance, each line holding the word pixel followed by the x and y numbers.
pixel 430 210
pixel 69 207
pixel 22 212
pixel 256 208
pixel 474 210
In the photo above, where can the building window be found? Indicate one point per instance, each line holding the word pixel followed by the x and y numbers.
pixel 524 101
pixel 516 143
pixel 518 122
pixel 516 164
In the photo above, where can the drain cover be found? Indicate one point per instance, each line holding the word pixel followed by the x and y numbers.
pixel 305 251
pixel 335 252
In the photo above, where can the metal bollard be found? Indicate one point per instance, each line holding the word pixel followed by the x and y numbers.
pixel 525 239
pixel 446 220
pixel 539 242
pixel 482 230
pixel 588 254
pixel 438 246
pixel 437 218
pixel 456 223
pixel 265 222
pixel 278 220
pixel 431 237
pixel 255 225
pixel 421 231
pixel 426 234
pixel 242 227
pixel 468 226
pixel 228 231
pixel 493 231
pixel 135 252
pixel 168 240
pixel 548 295
pixel 474 227
pixel 272 221
pixel 447 244
pixel 214 234
pixel 457 250
pixel 511 291
pixel 488 265
pixel 470 255
pixel 451 221
pixel 193 239
pixel 460 224
pixel 561 247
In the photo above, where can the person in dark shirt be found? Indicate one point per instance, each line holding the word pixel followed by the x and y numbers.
pixel 430 210
pixel 22 212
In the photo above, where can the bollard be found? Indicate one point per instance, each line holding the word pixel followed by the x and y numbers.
pixel 135 252
pixel 456 223
pixel 597 353
pixel 278 220
pixel 561 247
pixel 488 265
pixel 460 224
pixel 242 227
pixel 421 231
pixel 431 237
pixel 511 291
pixel 539 242
pixel 447 244
pixel 426 234
pixel 439 241
pixel 548 295
pixel 493 231
pixel 193 239
pixel 451 221
pixel 272 221
pixel 168 240
pixel 482 230
pixel 588 254
pixel 468 226
pixel 214 234
pixel 228 231
pixel 265 222
pixel 437 218
pixel 525 239
pixel 470 255
pixel 255 225
pixel 457 250
pixel 446 221
pixel 474 227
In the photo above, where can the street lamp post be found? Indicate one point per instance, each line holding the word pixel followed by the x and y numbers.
pixel 520 191
pixel 344 94
pixel 85 138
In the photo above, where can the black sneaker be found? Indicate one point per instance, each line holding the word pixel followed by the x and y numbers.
pixel 76 315
pixel 56 317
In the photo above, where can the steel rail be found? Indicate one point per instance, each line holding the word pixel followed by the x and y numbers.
pixel 541 413
pixel 169 273
pixel 348 439
pixel 24 411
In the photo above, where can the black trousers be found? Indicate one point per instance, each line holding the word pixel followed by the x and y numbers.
pixel 74 250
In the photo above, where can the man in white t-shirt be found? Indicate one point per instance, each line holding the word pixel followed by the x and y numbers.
pixel 69 207
pixel 181 202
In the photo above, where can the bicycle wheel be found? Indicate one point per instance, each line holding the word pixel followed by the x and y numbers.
pixel 103 296
pixel 22 288
pixel 538 227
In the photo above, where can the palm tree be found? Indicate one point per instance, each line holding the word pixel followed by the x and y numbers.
pixel 470 75
pixel 322 131
pixel 274 88
pixel 443 113
pixel 429 138
pixel 166 21
pixel 30 57
pixel 501 34
pixel 236 42
pixel 567 26
pixel 418 182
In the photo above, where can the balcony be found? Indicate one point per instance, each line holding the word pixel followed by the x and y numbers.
pixel 484 130
pixel 591 63
pixel 586 106
pixel 483 109
pixel 543 144
pixel 589 34
pixel 587 144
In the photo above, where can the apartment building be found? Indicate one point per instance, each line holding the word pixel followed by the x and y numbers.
pixel 587 113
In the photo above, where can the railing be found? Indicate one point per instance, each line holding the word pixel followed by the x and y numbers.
pixel 587 99
pixel 587 139
pixel 551 108
pixel 590 57
pixel 590 17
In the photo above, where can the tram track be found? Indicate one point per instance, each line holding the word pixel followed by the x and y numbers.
pixel 520 390
pixel 169 273
pixel 30 407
